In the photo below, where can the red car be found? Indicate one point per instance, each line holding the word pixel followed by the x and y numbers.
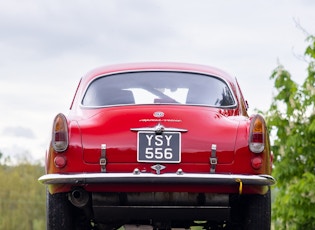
pixel 165 145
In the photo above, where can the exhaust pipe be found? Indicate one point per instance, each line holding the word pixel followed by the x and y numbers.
pixel 79 197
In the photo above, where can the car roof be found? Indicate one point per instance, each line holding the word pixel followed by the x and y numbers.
pixel 156 66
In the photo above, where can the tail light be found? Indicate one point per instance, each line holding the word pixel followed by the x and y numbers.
pixel 60 133
pixel 257 134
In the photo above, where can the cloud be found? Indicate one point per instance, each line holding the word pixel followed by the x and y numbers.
pixel 18 131
pixel 56 28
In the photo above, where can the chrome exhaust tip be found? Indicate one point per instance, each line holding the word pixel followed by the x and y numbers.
pixel 79 197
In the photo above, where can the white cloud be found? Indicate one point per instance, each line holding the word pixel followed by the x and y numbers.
pixel 18 131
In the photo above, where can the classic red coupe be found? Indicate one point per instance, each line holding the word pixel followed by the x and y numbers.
pixel 165 145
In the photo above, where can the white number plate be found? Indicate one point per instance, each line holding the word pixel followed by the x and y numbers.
pixel 165 147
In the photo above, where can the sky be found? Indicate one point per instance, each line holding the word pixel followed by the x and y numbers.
pixel 47 46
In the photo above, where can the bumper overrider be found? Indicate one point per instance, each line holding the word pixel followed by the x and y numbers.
pixel 167 178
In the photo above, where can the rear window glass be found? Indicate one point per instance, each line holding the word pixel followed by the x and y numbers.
pixel 158 88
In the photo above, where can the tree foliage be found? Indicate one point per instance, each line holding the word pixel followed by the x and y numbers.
pixel 291 119
pixel 22 198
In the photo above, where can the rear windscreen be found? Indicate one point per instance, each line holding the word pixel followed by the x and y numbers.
pixel 158 87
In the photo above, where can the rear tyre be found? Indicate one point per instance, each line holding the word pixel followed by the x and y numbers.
pixel 250 212
pixel 258 213
pixel 58 210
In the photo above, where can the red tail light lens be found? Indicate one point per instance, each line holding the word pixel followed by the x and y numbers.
pixel 60 133
pixel 257 134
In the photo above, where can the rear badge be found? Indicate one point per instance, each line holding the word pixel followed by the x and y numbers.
pixel 158 114
pixel 158 168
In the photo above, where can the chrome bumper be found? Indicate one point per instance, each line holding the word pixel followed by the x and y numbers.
pixel 167 178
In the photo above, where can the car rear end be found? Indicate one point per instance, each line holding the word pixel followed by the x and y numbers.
pixel 158 147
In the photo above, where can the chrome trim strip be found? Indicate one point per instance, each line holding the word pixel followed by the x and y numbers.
pixel 159 129
pixel 166 178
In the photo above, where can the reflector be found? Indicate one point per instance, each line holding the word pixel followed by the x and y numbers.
pixel 257 162
pixel 60 161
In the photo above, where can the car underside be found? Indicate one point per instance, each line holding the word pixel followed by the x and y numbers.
pixel 161 210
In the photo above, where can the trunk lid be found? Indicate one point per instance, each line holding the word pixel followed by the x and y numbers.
pixel 118 127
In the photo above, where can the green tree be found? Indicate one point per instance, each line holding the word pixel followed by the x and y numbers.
pixel 22 198
pixel 291 120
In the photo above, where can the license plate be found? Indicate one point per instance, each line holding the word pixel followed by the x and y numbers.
pixel 164 148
